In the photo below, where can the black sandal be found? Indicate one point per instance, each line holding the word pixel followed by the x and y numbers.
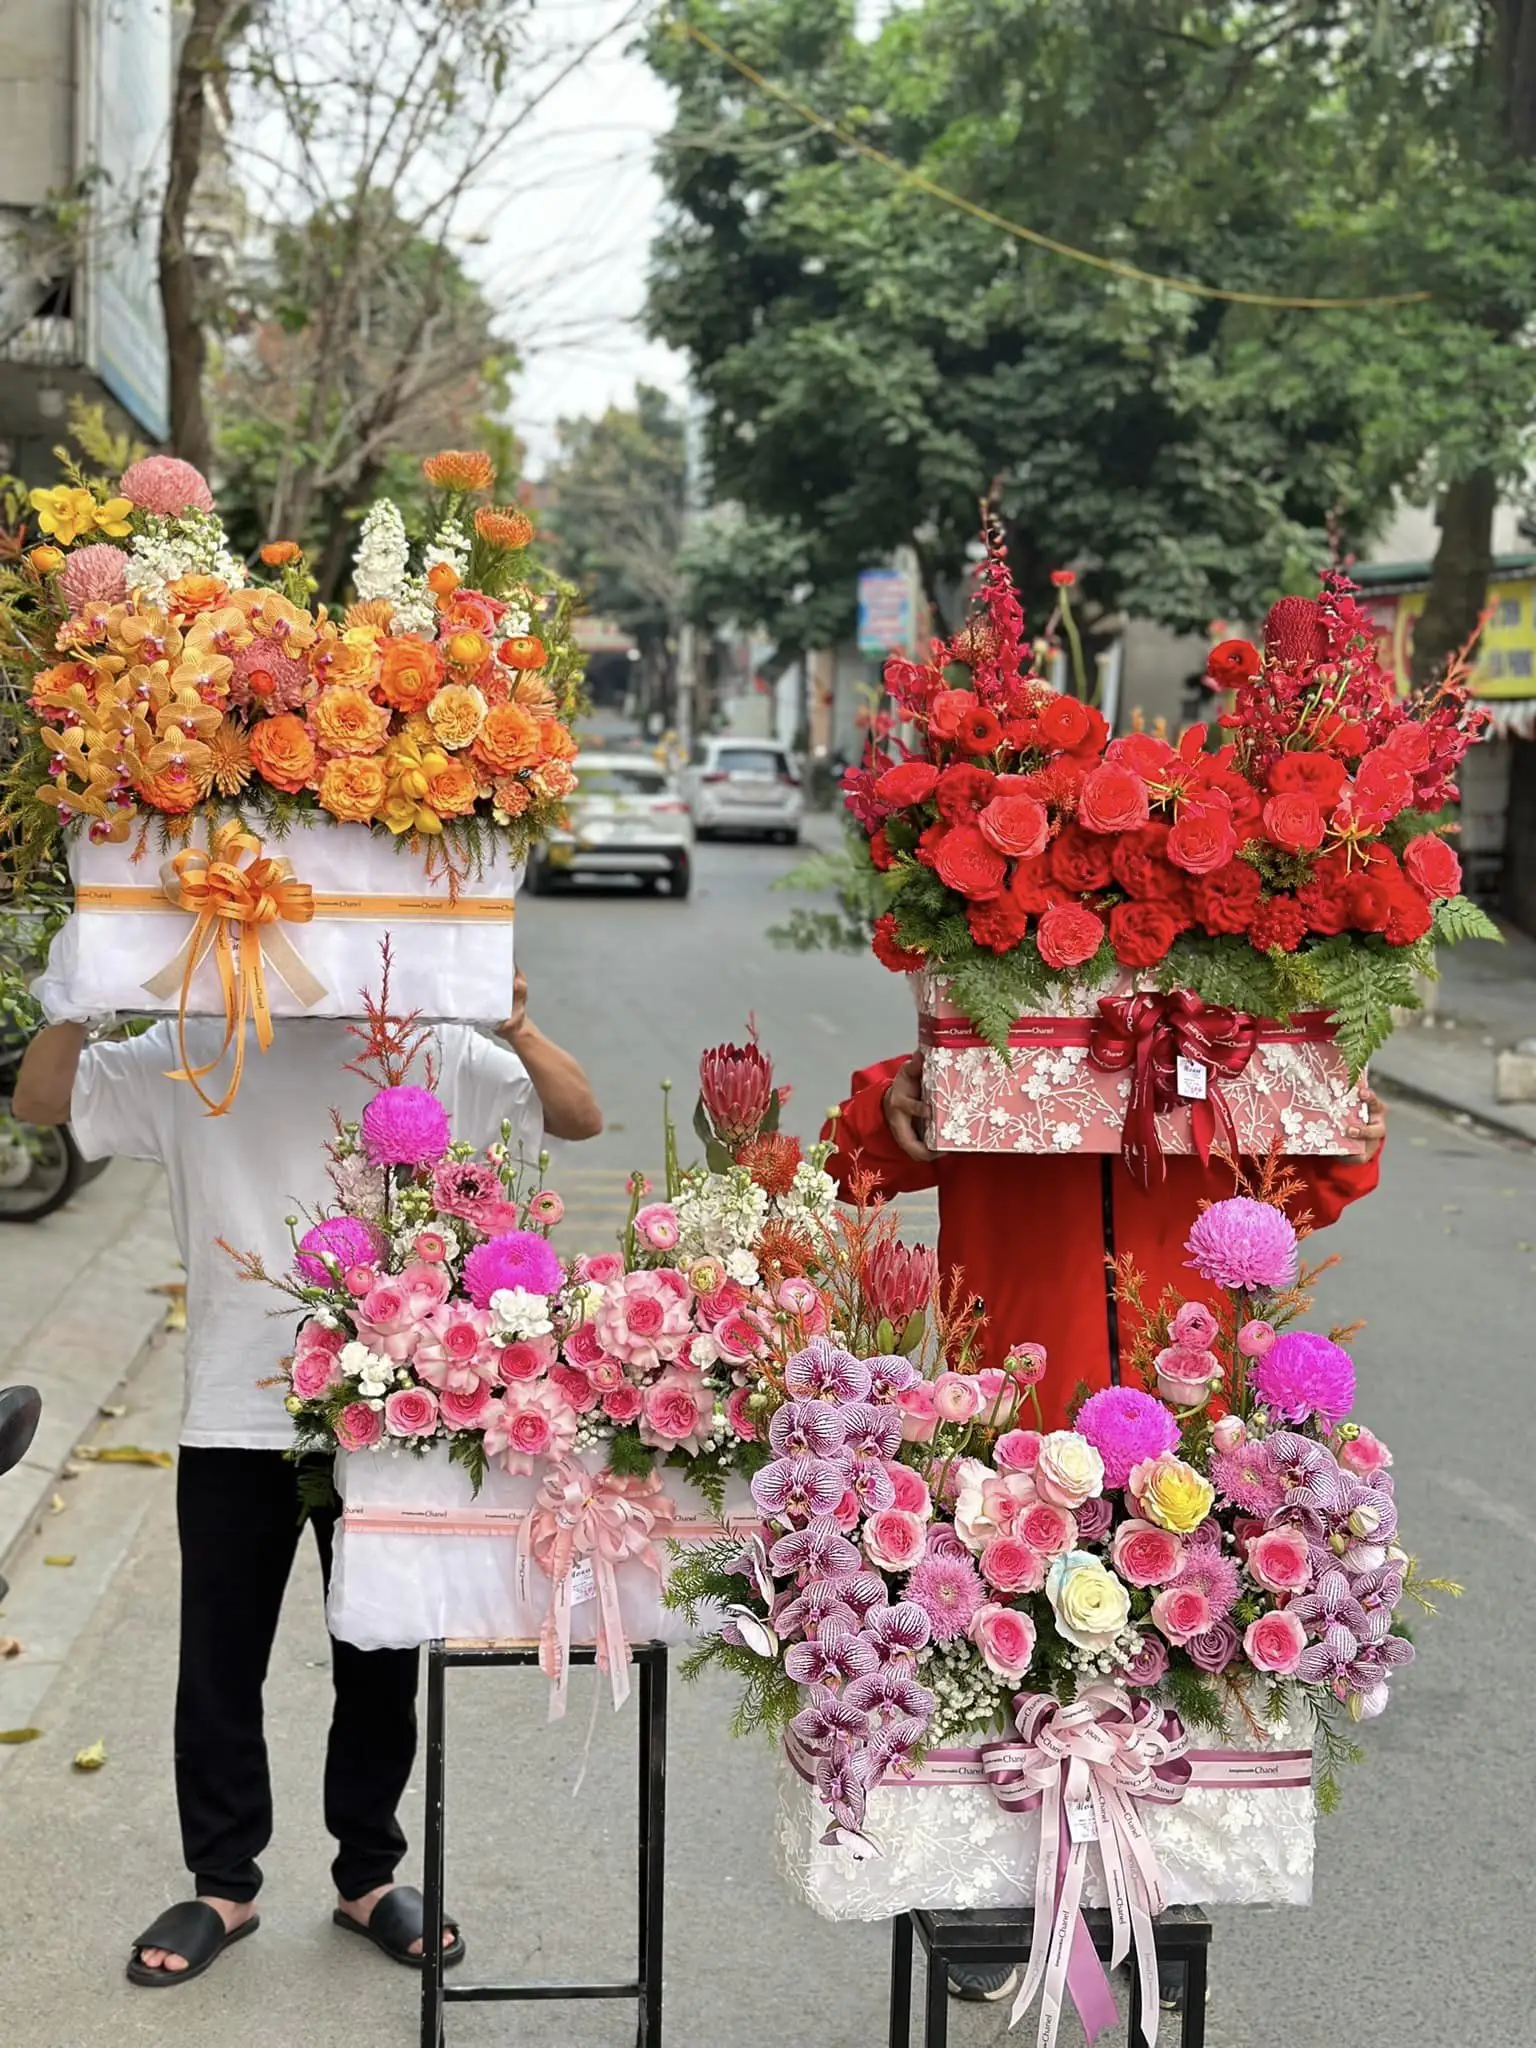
pixel 193 1930
pixel 396 1921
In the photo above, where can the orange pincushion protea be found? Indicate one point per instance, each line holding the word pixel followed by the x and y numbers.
pixel 772 1160
pixel 345 720
pixel 459 469
pixel 504 526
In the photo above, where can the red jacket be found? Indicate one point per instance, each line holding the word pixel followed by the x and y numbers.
pixel 1028 1232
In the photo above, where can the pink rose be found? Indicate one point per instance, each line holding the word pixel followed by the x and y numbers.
pixel 674 1410
pixel 623 1404
pixel 912 1495
pixel 657 1227
pixel 797 1297
pixel 465 1411
pixel 410 1411
pixel 957 1397
pixel 1364 1454
pixel 576 1388
pixel 642 1321
pixel 1274 1643
pixel 425 1288
pixel 529 1422
pixel 1149 1666
pixel 1069 1470
pixel 605 1375
pixel 1018 1451
pixel 313 1371
pixel 317 1337
pixel 1006 1640
pixel 988 1503
pixel 358 1426
pixel 847 1512
pixel 582 1347
pixel 999 1397
pixel 1186 1376
pixel 1012 1566
pixel 1255 1338
pixel 738 1414
pixel 725 1301
pixel 1145 1555
pixel 644 1316
pixel 600 1268
pixel 919 1413
pixel 740 1336
pixel 1195 1326
pixel 1047 1528
pixel 673 1282
pixel 894 1540
pixel 1279 1560
pixel 526 1359
pixel 1181 1612
pixel 455 1348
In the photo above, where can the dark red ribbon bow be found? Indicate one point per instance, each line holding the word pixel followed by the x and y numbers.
pixel 1150 1033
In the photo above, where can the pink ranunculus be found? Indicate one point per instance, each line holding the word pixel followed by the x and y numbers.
pixel 912 1495
pixel 999 1397
pixel 1145 1555
pixel 738 1415
pixel 1194 1326
pixel 1274 1643
pixel 919 1413
pixel 410 1411
pixel 1047 1528
pixel 1186 1376
pixel 1018 1451
pixel 313 1372
pixel 529 1422
pixel 575 1386
pixel 430 1246
pixel 1012 1566
pixel 623 1403
pixel 529 1358
pixel 1228 1431
pixel 456 1349
pixel 600 1269
pixel 642 1322
pixel 1364 1454
pixel 1006 1639
pixel 657 1227
pixel 426 1288
pixel 465 1410
pixel 605 1375
pixel 1255 1337
pixel 583 1347
pixel 1181 1612
pixel 358 1280
pixel 895 1540
pixel 957 1396
pixel 1280 1561
pixel 797 1297
pixel 358 1427
pixel 1025 1365
pixel 676 1411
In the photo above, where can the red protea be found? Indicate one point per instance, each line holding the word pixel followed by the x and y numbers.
pixel 736 1087
pixel 1294 633
pixel 898 1279
pixel 772 1161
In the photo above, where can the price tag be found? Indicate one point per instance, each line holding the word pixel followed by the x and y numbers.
pixel 1082 1821
pixel 1192 1080
pixel 583 1582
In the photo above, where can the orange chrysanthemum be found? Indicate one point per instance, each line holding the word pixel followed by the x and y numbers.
pixel 457 713
pixel 229 753
pixel 277 554
pixel 282 752
pixel 459 469
pixel 454 790
pixel 346 720
pixel 353 787
pixel 504 527
pixel 410 670
pixel 508 740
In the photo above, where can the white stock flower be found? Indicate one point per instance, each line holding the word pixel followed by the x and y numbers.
pixel 383 554
pixel 415 609
pixel 741 1267
pixel 451 547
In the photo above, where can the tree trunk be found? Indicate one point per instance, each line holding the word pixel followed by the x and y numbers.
pixel 1458 582
pixel 186 343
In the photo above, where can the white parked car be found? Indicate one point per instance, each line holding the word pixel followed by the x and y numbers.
pixel 625 818
pixel 746 786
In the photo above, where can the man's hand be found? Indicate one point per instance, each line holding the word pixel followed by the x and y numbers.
pixel 513 1027
pixel 1374 1129
pixel 906 1112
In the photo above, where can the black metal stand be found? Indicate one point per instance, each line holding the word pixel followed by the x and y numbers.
pixel 651 1662
pixel 1111 1305
pixel 1182 1935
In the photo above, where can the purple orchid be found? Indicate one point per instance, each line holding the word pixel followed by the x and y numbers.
pixel 823 1372
pixel 806 1429
pixel 890 1376
pixel 891 1687
pixel 871 1432
pixel 820 1548
pixel 818 1725
pixel 898 1633
pixel 836 1655
pixel 798 1489
pixel 873 1487
pixel 842 1780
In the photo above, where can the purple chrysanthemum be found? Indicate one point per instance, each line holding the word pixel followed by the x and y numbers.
pixel 1247 1478
pixel 342 1238
pixel 1303 1375
pixel 1126 1426
pixel 1211 1572
pixel 405 1127
pixel 1241 1243
pixel 520 1259
pixel 949 1591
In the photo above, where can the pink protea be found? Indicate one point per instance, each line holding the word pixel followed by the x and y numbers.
pixel 265 674
pixel 736 1084
pixel 1243 1244
pixel 94 575
pixel 167 485
pixel 899 1279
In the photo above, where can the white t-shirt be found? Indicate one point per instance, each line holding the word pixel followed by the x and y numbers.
pixel 238 1176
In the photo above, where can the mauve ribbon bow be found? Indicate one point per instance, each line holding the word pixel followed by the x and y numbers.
pixel 1150 1033
pixel 1088 1767
pixel 605 1520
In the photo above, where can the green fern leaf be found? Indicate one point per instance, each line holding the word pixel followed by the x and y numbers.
pixel 1460 918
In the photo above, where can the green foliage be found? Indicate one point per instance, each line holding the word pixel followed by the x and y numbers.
pixel 628 1458
pixel 1195 1698
pixel 770 1698
pixel 1459 918
pixel 469 1451
pixel 702 1577
pixel 1336 1751
pixel 315 1475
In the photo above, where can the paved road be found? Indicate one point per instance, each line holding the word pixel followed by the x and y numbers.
pixel 1421 1932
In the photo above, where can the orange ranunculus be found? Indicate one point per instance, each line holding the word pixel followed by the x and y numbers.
pixel 345 720
pixel 466 652
pixel 442 579
pixel 509 739
pixel 454 790
pixel 277 554
pixel 556 741
pixel 410 671
pixel 509 796
pixel 523 650
pixel 45 560
pixel 189 595
pixel 282 752
pixel 353 787
pixel 553 779
pixel 456 713
pixel 504 526
pixel 459 469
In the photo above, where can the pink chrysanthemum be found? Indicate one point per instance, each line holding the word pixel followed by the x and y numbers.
pixel 520 1259
pixel 167 485
pixel 1215 1575
pixel 1247 1478
pixel 1241 1243
pixel 405 1127
pixel 94 575
pixel 949 1591
pixel 264 674
pixel 343 1239
pixel 1303 1375
pixel 1125 1426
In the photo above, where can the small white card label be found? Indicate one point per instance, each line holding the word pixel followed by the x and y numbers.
pixel 1082 1821
pixel 583 1582
pixel 1192 1080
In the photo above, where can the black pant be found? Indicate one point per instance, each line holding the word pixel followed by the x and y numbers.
pixel 238 1514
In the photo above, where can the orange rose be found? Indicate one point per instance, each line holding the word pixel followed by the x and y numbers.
pixel 509 739
pixel 442 579
pixel 556 742
pixel 349 659
pixel 176 788
pixel 283 752
pixel 454 790
pixel 345 720
pixel 469 609
pixel 457 713
pixel 353 787
pixel 410 672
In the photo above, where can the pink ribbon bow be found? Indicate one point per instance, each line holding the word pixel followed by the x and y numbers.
pixel 603 1520
pixel 1088 1767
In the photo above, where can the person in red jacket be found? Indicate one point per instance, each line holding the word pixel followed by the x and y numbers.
pixel 1029 1232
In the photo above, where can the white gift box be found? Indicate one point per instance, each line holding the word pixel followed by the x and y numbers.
pixel 452 944
pixel 953 1848
pixel 455 1573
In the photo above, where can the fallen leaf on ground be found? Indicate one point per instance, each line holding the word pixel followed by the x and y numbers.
pixel 10 1646
pixel 110 1412
pixel 60 1560
pixel 16 1735
pixel 123 1454
pixel 176 1311
pixel 91 1759
pixel 69 1472
pixel 57 1505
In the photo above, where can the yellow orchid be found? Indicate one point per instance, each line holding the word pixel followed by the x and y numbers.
pixel 411 766
pixel 115 517
pixel 66 511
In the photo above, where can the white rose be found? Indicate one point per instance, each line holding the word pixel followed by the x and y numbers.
pixel 972 1524
pixel 1070 1470
pixel 1090 1604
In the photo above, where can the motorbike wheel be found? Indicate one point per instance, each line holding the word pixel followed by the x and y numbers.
pixel 40 1168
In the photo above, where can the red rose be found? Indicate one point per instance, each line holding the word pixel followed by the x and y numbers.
pixel 1320 775
pixel 965 863
pixel 1370 904
pixel 962 791
pixel 1069 935
pixel 1031 886
pixel 1410 744
pixel 1410 916
pixel 1141 933
pixel 1140 864
pixel 1082 861
pixel 929 840
pixel 1094 739
pixel 1294 821
pixel 1280 923
pixel 1432 864
pixel 1346 737
pixel 947 710
pixel 998 926
pixel 909 782
pixel 889 950
pixel 1232 662
pixel 1202 840
pixel 1113 800
pixel 1226 898
pixel 1015 825
pixel 1142 752
pixel 979 731
pixel 1383 787
pixel 1064 722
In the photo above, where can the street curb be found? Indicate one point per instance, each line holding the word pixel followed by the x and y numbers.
pixel 1427 1098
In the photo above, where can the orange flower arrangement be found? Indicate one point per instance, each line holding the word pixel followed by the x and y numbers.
pixel 346 720
pixel 459 469
pixel 349 658
pixel 353 787
pixel 282 752
pixel 410 671
pixel 454 790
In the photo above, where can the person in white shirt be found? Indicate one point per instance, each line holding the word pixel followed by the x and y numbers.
pixel 237 1178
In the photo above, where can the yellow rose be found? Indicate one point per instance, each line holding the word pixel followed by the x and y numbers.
pixel 1171 1493
pixel 1090 1604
